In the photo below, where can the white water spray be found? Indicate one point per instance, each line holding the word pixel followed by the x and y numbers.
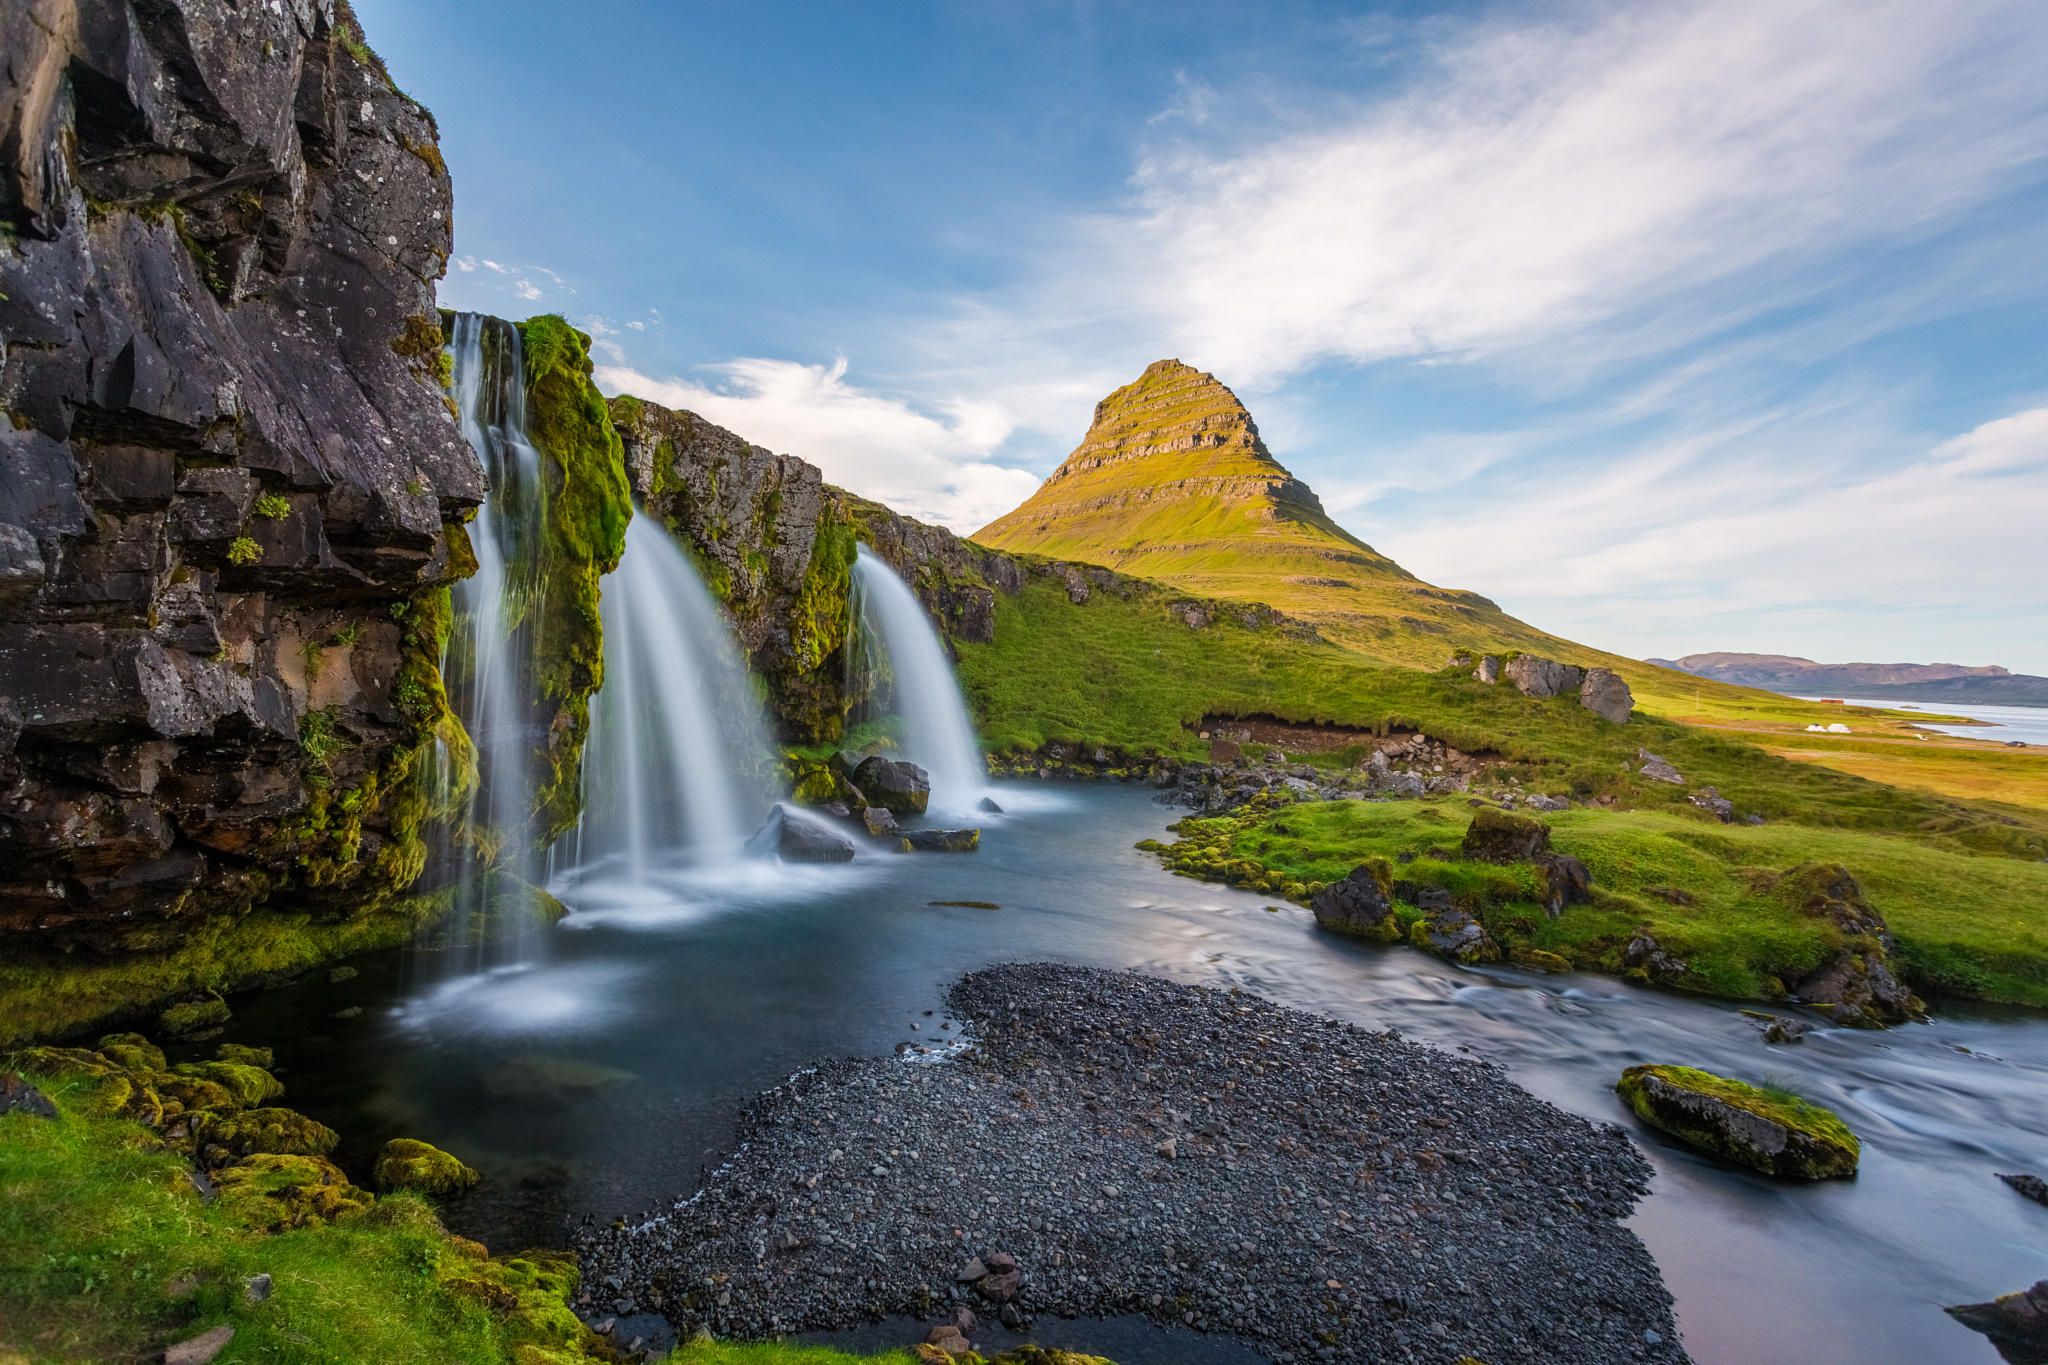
pixel 677 770
pixel 914 681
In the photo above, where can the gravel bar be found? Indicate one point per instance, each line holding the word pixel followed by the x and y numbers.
pixel 1199 1156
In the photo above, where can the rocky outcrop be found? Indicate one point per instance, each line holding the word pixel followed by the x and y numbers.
pixel 1542 678
pixel 1773 1132
pixel 1361 904
pixel 799 839
pixel 898 786
pixel 1606 694
pixel 1856 984
pixel 230 490
pixel 776 543
pixel 2016 1323
pixel 1494 836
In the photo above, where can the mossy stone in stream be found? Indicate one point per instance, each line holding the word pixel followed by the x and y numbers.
pixel 194 1016
pixel 408 1164
pixel 1771 1131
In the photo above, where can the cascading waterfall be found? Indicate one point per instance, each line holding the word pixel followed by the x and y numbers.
pixel 488 665
pixel 913 681
pixel 677 771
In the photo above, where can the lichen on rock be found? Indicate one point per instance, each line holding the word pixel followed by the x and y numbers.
pixel 409 1164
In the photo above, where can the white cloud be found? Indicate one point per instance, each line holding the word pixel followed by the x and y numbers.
pixel 1718 541
pixel 1611 173
pixel 936 468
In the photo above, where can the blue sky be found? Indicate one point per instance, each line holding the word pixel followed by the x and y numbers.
pixel 1670 327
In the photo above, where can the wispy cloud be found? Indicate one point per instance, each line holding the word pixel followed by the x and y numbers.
pixel 934 467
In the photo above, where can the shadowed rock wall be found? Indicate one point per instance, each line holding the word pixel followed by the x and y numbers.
pixel 230 488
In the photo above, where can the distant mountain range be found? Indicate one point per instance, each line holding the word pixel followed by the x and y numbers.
pixel 1989 685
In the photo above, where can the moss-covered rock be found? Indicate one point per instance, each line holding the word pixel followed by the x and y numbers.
pixel 1362 904
pixel 1771 1131
pixel 131 1050
pixel 247 1056
pixel 1495 836
pixel 278 1132
pixel 408 1164
pixel 249 1085
pixel 194 1016
pixel 273 1191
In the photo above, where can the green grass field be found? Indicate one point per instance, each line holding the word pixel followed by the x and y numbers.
pixel 1127 674
pixel 1967 926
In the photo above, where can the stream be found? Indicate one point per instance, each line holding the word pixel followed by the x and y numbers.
pixel 605 1080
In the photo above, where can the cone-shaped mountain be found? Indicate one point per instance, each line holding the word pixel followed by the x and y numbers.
pixel 1172 482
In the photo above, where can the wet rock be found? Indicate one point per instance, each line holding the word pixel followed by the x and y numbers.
pixel 1776 1133
pixel 408 1164
pixel 1776 1028
pixel 17 1096
pixel 193 1016
pixel 1453 932
pixel 987 805
pixel 900 786
pixel 1498 837
pixel 2016 1323
pixel 1606 694
pixel 795 838
pixel 939 840
pixel 1361 904
pixel 1645 959
pixel 1537 960
pixel 1541 678
pixel 878 821
pixel 2031 1186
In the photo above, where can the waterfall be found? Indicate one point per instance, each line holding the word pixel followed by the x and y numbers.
pixel 913 681
pixel 488 665
pixel 677 771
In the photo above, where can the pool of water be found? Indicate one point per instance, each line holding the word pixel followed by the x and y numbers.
pixel 2027 724
pixel 603 1079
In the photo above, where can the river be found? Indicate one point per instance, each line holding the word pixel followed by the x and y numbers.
pixel 600 1082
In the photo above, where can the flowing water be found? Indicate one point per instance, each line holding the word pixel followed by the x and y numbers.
pixel 901 651
pixel 601 1082
pixel 677 771
pixel 490 652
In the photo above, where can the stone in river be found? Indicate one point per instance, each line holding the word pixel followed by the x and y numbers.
pixel 940 840
pixel 1778 1134
pixel 795 839
pixel 902 787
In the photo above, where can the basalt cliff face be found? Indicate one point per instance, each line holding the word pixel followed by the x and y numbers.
pixel 231 492
pixel 1174 483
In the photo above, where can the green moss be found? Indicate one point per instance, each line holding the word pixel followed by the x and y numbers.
pixel 243 550
pixel 280 1132
pixel 272 507
pixel 588 506
pixel 1820 1145
pixel 408 1164
pixel 249 1085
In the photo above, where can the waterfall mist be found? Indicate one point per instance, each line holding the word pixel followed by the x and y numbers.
pixel 912 680
pixel 488 664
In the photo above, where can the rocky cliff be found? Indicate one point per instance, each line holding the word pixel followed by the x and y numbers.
pixel 776 543
pixel 232 493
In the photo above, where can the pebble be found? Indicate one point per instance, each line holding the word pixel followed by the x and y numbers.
pixel 1446 1204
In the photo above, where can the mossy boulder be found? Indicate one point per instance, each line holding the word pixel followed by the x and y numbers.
pixel 273 1191
pixel 247 1056
pixel 1771 1131
pixel 1495 836
pixel 103 1086
pixel 1536 960
pixel 131 1050
pixel 194 1016
pixel 279 1132
pixel 408 1164
pixel 1362 904
pixel 248 1085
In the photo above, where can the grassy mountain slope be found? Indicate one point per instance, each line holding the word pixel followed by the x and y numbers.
pixel 1173 483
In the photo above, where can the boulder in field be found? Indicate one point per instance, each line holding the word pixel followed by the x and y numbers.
pixel 1361 904
pixel 1498 837
pixel 1540 678
pixel 797 838
pixel 899 786
pixel 1606 694
pixel 1488 670
pixel 1566 881
pixel 1454 933
pixel 1771 1131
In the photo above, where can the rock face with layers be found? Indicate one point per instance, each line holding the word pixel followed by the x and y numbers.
pixel 230 489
